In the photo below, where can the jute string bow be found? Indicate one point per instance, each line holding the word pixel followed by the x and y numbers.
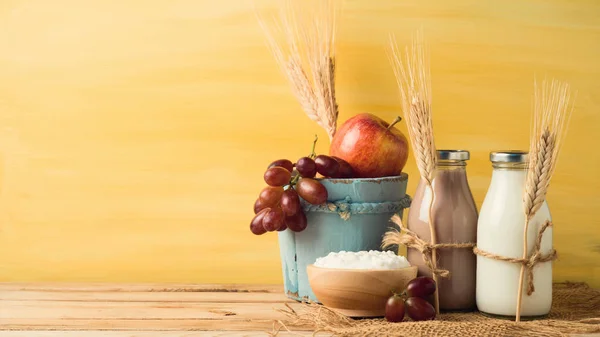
pixel 411 239
pixel 535 257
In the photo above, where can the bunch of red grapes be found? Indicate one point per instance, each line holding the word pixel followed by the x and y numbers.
pixel 278 205
pixel 415 305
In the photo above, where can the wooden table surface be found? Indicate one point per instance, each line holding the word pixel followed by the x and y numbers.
pixel 141 310
pixel 144 310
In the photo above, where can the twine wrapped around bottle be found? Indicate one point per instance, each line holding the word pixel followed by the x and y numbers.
pixel 411 240
pixel 529 262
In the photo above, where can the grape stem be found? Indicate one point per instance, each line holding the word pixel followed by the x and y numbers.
pixel 402 294
pixel 294 180
pixel 398 118
pixel 312 154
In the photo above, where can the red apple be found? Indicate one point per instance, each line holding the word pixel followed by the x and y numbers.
pixel 371 146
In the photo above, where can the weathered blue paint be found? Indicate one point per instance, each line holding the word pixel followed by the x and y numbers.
pixel 328 232
pixel 287 248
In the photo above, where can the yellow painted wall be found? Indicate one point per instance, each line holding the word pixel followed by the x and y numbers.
pixel 134 134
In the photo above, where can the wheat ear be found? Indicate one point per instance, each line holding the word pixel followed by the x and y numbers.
pixel 552 110
pixel 306 56
pixel 413 79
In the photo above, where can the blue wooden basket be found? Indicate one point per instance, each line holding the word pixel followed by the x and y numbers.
pixel 355 218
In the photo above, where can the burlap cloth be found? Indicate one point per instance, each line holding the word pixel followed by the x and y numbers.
pixel 575 310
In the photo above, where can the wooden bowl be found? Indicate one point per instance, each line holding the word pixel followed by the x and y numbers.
pixel 357 292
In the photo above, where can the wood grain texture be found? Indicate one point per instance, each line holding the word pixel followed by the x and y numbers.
pixel 91 307
pixel 166 334
pixel 154 334
pixel 142 310
pixel 134 134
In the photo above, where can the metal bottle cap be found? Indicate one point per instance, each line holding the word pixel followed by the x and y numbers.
pixel 513 156
pixel 453 155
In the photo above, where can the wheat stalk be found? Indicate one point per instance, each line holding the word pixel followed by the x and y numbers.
pixel 552 110
pixel 538 178
pixel 414 83
pixel 306 56
pixel 551 113
pixel 413 79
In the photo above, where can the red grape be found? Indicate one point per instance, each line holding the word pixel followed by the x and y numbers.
pixel 277 176
pixel 258 206
pixel 419 309
pixel 256 225
pixel 286 164
pixel 282 227
pixel 273 219
pixel 290 202
pixel 421 286
pixel 394 309
pixel 312 191
pixel 270 196
pixel 296 222
pixel 345 170
pixel 327 166
pixel 306 167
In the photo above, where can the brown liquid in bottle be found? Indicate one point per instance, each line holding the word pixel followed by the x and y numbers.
pixel 455 221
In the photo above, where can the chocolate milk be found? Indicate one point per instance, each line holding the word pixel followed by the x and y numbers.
pixel 455 220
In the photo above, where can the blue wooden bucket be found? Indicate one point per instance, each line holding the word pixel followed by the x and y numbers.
pixel 355 218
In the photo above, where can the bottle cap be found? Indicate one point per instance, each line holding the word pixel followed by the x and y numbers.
pixel 453 155
pixel 513 156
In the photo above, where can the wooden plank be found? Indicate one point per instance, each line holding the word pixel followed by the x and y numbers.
pixel 170 334
pixel 154 296
pixel 152 334
pixel 90 307
pixel 141 287
pixel 71 324
pixel 150 329
pixel 142 310
pixel 138 310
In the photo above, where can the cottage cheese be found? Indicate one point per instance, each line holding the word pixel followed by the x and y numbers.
pixel 362 260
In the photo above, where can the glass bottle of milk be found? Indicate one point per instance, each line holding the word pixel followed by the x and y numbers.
pixel 455 219
pixel 500 231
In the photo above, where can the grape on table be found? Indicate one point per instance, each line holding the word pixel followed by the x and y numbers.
pixel 421 286
pixel 394 309
pixel 418 309
pixel 416 305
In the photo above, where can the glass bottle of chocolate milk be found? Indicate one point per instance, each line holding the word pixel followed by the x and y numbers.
pixel 455 219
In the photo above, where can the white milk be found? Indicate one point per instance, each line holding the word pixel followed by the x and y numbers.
pixel 500 231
